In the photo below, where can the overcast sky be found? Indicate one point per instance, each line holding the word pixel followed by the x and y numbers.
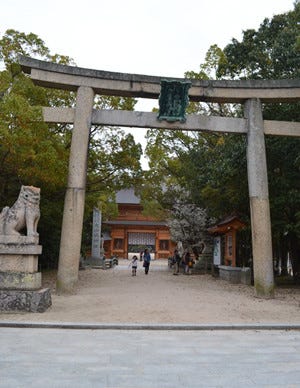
pixel 154 37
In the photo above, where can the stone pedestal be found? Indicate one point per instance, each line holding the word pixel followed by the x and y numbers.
pixel 235 275
pixel 95 260
pixel 231 274
pixel 246 276
pixel 35 301
pixel 20 281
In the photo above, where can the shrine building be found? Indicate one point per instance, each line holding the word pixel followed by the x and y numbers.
pixel 131 232
pixel 228 229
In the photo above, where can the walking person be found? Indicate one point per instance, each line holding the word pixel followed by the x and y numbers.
pixel 133 264
pixel 176 261
pixel 147 259
pixel 141 255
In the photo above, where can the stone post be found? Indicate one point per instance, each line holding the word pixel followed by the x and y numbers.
pixel 259 201
pixel 96 238
pixel 71 234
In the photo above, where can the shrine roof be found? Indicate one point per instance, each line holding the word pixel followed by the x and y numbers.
pixel 127 196
pixel 231 222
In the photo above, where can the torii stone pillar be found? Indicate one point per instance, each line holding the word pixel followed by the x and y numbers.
pixel 71 234
pixel 259 201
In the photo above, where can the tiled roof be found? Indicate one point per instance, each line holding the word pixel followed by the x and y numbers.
pixel 127 196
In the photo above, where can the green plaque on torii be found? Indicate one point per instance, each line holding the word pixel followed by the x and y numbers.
pixel 173 100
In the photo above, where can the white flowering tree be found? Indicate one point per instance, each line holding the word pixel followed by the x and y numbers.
pixel 188 224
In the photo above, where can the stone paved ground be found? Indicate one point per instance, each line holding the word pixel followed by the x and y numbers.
pixel 63 358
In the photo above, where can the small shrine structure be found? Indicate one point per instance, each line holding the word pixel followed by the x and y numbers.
pixel 228 227
pixel 227 265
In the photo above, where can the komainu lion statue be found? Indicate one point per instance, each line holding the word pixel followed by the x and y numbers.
pixel 25 212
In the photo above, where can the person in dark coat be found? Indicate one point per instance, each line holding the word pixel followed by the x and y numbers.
pixel 147 259
pixel 176 261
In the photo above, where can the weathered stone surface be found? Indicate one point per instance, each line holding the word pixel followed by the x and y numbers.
pixel 259 202
pixel 24 249
pixel 95 261
pixel 231 274
pixel 25 212
pixel 145 86
pixel 19 240
pixel 19 263
pixel 71 234
pixel 149 120
pixel 96 236
pixel 246 276
pixel 25 301
pixel 20 281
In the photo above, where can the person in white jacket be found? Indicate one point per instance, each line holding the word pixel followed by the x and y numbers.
pixel 133 264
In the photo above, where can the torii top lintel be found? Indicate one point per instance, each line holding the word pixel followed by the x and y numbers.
pixel 58 76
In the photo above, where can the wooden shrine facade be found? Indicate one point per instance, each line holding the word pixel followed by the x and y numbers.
pixel 131 232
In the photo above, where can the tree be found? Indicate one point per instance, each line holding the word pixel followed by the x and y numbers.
pixel 34 153
pixel 30 153
pixel 188 224
pixel 273 52
pixel 212 168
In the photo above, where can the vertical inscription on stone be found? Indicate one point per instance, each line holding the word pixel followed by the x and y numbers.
pixel 96 240
pixel 217 250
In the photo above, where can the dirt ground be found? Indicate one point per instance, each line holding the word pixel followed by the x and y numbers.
pixel 114 296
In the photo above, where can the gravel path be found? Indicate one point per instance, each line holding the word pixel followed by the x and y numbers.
pixel 114 296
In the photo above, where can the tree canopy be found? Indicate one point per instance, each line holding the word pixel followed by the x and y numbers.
pixel 212 168
pixel 34 153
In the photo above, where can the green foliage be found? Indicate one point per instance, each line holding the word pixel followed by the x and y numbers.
pixel 33 153
pixel 214 58
pixel 14 43
pixel 210 170
pixel 270 52
pixel 154 209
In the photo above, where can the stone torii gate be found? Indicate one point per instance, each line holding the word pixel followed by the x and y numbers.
pixel 87 83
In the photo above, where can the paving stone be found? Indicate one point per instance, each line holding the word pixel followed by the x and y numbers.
pixel 43 357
